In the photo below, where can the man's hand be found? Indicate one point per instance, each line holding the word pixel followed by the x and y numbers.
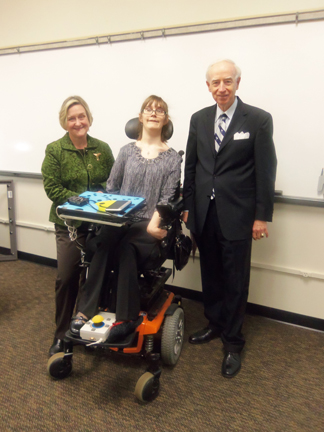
pixel 259 230
pixel 184 216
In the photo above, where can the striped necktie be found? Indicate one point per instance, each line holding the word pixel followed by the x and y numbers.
pixel 219 135
pixel 220 130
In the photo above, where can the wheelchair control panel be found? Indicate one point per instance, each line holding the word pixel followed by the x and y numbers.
pixel 97 329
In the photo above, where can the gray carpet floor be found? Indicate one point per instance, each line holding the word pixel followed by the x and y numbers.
pixel 279 389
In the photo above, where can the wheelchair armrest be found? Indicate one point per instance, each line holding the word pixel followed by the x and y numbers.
pixel 171 211
pixel 177 204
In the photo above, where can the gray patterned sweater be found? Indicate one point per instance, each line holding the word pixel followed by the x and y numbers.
pixel 155 180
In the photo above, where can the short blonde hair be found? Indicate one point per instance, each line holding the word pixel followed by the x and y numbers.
pixel 70 101
pixel 159 101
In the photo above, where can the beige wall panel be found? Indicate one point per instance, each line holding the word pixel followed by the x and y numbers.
pixel 37 21
pixel 287 292
pixel 36 242
pixel 296 238
pixel 32 204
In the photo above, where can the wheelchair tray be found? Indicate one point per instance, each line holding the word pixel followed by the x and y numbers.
pixel 89 212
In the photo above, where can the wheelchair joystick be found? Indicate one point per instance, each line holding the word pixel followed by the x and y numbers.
pixel 98 321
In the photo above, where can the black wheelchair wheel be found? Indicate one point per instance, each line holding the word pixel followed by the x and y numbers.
pixel 172 337
pixel 59 367
pixel 147 387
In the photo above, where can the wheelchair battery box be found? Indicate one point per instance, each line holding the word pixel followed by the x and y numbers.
pixel 94 331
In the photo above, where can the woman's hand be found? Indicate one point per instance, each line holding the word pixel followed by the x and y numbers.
pixel 153 227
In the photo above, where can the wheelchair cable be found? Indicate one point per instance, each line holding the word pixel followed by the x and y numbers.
pixel 94 208
pixel 94 343
pixel 73 234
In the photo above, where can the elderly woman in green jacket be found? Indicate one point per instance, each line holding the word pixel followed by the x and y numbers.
pixel 74 164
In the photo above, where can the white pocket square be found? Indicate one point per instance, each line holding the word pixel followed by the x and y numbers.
pixel 241 135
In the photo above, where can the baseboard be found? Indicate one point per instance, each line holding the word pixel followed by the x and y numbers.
pixel 265 311
pixel 285 316
pixel 37 259
pixel 5 251
pixel 252 309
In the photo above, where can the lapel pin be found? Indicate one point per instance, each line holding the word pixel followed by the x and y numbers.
pixel 97 155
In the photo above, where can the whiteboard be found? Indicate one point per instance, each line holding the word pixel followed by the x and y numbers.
pixel 282 67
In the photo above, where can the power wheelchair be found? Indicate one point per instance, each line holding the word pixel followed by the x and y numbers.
pixel 159 338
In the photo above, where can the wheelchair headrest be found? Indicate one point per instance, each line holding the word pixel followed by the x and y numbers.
pixel 132 126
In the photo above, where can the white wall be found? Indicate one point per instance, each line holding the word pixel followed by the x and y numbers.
pixel 296 235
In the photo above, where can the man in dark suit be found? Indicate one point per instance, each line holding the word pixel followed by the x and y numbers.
pixel 228 193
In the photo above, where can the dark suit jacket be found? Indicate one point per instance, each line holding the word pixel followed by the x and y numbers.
pixel 242 172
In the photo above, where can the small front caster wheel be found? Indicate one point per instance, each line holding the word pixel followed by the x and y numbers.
pixel 58 366
pixel 147 387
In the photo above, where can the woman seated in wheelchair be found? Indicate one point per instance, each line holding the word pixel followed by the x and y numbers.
pixel 146 168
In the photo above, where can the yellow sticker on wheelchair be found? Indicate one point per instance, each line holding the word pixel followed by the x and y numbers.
pixel 103 205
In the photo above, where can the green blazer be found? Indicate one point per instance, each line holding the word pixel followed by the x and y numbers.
pixel 68 171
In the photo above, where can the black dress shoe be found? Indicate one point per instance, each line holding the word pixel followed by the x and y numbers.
pixel 77 323
pixel 231 365
pixel 203 336
pixel 58 346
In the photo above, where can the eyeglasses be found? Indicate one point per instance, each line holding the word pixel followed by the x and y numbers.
pixel 157 111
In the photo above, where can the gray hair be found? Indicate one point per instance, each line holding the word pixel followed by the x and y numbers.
pixel 237 69
pixel 70 101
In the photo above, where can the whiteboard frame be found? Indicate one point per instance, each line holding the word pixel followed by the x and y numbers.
pixel 280 199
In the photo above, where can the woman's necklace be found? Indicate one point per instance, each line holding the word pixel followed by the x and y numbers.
pixel 150 151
